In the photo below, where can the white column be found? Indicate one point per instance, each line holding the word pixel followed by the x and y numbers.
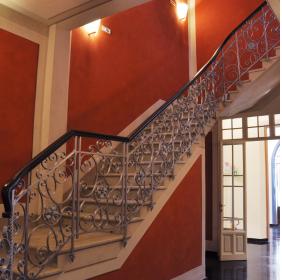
pixel 192 39
pixel 55 109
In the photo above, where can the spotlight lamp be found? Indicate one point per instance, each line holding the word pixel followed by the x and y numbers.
pixel 94 27
pixel 181 9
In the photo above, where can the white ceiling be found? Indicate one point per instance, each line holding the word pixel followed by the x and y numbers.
pixel 46 10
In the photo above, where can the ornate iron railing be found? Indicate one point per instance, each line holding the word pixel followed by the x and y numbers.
pixel 86 182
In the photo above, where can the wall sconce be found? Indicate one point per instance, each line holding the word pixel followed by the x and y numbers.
pixel 93 28
pixel 181 9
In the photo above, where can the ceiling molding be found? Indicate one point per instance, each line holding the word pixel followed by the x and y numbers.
pixel 23 20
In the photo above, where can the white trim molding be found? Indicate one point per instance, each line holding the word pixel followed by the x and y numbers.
pixel 23 30
pixel 192 45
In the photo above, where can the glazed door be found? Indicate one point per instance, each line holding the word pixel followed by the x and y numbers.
pixel 233 233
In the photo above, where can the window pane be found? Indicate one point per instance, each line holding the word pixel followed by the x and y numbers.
pixel 252 132
pixel 226 124
pixel 237 133
pixel 237 123
pixel 227 201
pixel 238 203
pixel 227 160
pixel 227 224
pixel 277 118
pixel 252 121
pixel 239 224
pixel 226 134
pixel 227 180
pixel 263 131
pixel 238 160
pixel 263 120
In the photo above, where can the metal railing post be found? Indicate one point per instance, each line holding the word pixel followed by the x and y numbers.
pixel 74 200
pixel 78 158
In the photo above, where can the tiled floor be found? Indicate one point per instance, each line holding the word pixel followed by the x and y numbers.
pixel 263 263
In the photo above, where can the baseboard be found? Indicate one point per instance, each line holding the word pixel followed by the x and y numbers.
pixel 197 273
pixel 212 254
pixel 274 225
pixel 257 241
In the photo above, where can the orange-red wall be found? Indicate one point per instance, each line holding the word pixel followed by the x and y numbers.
pixel 113 79
pixel 215 19
pixel 18 70
pixel 172 245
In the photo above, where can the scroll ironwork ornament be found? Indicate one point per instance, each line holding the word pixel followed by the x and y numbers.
pixel 97 185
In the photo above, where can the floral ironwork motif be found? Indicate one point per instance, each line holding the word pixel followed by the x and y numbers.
pixel 92 185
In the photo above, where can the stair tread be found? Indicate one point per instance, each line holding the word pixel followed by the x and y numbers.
pixel 93 239
pixel 130 187
pixel 85 240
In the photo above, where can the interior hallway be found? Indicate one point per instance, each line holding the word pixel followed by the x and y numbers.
pixel 262 264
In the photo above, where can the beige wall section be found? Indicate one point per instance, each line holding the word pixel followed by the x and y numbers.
pixel 256 190
pixel 192 39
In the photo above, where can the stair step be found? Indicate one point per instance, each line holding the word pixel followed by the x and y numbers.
pixel 160 188
pixel 88 216
pixel 48 271
pixel 109 202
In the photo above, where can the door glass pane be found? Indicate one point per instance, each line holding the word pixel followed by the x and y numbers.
pixel 226 124
pixel 277 130
pixel 277 118
pixel 227 180
pixel 239 203
pixel 238 181
pixel 227 224
pixel 239 224
pixel 227 160
pixel 227 201
pixel 238 160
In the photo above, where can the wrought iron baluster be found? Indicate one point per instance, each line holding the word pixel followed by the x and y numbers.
pixel 124 192
pixel 79 143
pixel 238 57
pixel 265 34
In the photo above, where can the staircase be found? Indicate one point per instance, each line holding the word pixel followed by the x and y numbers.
pixel 93 194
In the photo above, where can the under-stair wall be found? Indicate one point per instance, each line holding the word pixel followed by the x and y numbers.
pixel 172 245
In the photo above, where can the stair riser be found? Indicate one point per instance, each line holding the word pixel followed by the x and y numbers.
pixel 90 256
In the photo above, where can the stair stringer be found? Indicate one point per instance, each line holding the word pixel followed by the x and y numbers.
pixel 149 216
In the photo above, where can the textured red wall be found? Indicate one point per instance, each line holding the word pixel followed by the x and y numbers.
pixel 18 70
pixel 215 19
pixel 172 245
pixel 113 79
